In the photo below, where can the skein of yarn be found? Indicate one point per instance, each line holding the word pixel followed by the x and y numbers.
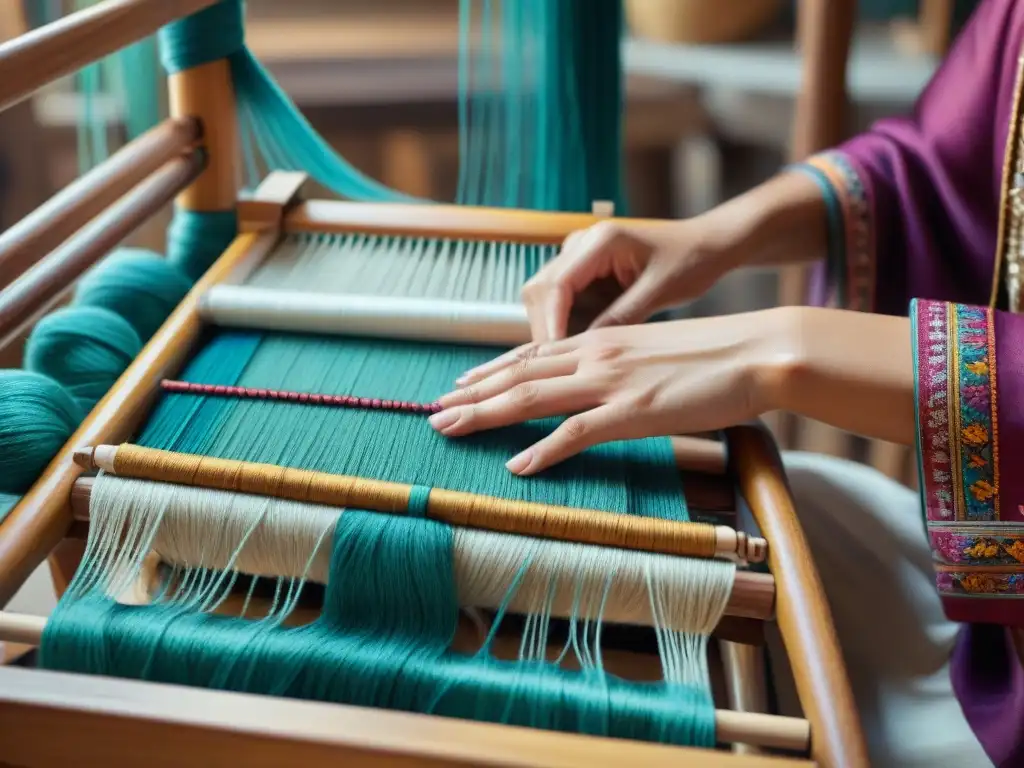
pixel 136 284
pixel 83 348
pixel 37 416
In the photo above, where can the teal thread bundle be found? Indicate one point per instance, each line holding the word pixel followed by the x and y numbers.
pixel 83 348
pixel 540 104
pixel 631 477
pixel 383 639
pixel 75 354
pixel 37 416
pixel 136 284
pixel 195 239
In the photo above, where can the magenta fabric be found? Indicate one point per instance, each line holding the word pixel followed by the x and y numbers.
pixel 933 178
pixel 915 206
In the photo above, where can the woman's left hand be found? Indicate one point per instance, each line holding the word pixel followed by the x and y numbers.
pixel 623 383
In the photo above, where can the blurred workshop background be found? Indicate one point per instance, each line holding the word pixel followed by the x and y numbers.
pixel 717 101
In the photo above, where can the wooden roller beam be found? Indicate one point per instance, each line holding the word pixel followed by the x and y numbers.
pixel 30 61
pixel 73 207
pixel 126 723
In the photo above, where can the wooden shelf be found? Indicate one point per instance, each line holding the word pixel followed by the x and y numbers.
pixel 878 71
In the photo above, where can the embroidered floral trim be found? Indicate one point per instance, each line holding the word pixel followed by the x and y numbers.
pixel 958 430
pixel 980 583
pixel 931 323
pixel 958 442
pixel 960 545
pixel 858 237
pixel 973 400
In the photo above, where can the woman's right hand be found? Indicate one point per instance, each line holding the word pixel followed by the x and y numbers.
pixel 612 274
pixel 620 274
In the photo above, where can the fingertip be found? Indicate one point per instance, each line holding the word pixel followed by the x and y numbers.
pixel 520 464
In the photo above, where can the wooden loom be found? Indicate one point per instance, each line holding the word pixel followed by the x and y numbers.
pixel 115 722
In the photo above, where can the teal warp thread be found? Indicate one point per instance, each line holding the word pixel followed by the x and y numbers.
pixel 390 614
pixel 196 239
pixel 83 348
pixel 631 477
pixel 268 118
pixel 206 36
pixel 37 416
pixel 419 500
pixel 540 104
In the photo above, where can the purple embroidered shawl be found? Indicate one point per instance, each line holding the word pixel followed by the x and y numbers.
pixel 915 222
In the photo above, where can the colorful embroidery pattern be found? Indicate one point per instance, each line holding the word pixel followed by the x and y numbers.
pixel 975 446
pixel 980 583
pixel 931 342
pixel 959 451
pixel 957 546
pixel 858 237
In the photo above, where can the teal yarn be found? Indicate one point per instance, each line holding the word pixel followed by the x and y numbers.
pixel 631 477
pixel 196 239
pixel 383 639
pixel 136 284
pixel 540 104
pixel 37 416
pixel 269 121
pixel 83 348
pixel 419 500
pixel 211 34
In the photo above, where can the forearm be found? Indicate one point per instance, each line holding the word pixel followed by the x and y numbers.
pixel 852 370
pixel 782 221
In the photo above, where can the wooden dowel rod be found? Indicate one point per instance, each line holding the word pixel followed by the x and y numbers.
pixel 457 508
pixel 803 615
pixel 85 198
pixel 54 273
pixel 30 61
pixel 21 628
pixel 753 594
pixel 208 92
pixel 770 731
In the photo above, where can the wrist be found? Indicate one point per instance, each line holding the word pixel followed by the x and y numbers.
pixel 851 370
pixel 783 221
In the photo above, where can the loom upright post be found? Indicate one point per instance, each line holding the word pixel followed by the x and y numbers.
pixel 206 92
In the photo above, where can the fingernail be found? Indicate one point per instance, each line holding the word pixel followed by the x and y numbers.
pixel 444 419
pixel 518 463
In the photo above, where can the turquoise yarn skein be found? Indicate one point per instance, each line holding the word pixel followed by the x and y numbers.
pixel 136 284
pixel 85 349
pixel 37 416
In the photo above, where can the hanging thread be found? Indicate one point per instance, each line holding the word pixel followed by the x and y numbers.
pixel 383 638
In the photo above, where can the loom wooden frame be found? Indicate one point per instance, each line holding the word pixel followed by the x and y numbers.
pixel 142 716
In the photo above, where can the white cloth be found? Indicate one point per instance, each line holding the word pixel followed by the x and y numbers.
pixel 867 537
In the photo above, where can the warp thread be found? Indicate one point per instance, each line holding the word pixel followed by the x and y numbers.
pixel 389 618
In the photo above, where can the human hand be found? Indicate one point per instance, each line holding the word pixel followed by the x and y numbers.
pixel 852 370
pixel 623 383
pixel 614 274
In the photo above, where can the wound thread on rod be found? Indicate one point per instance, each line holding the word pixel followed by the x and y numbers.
pixel 307 398
pixel 584 526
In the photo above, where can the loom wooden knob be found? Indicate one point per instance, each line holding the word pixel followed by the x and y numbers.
pixel 753 549
pixel 83 457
